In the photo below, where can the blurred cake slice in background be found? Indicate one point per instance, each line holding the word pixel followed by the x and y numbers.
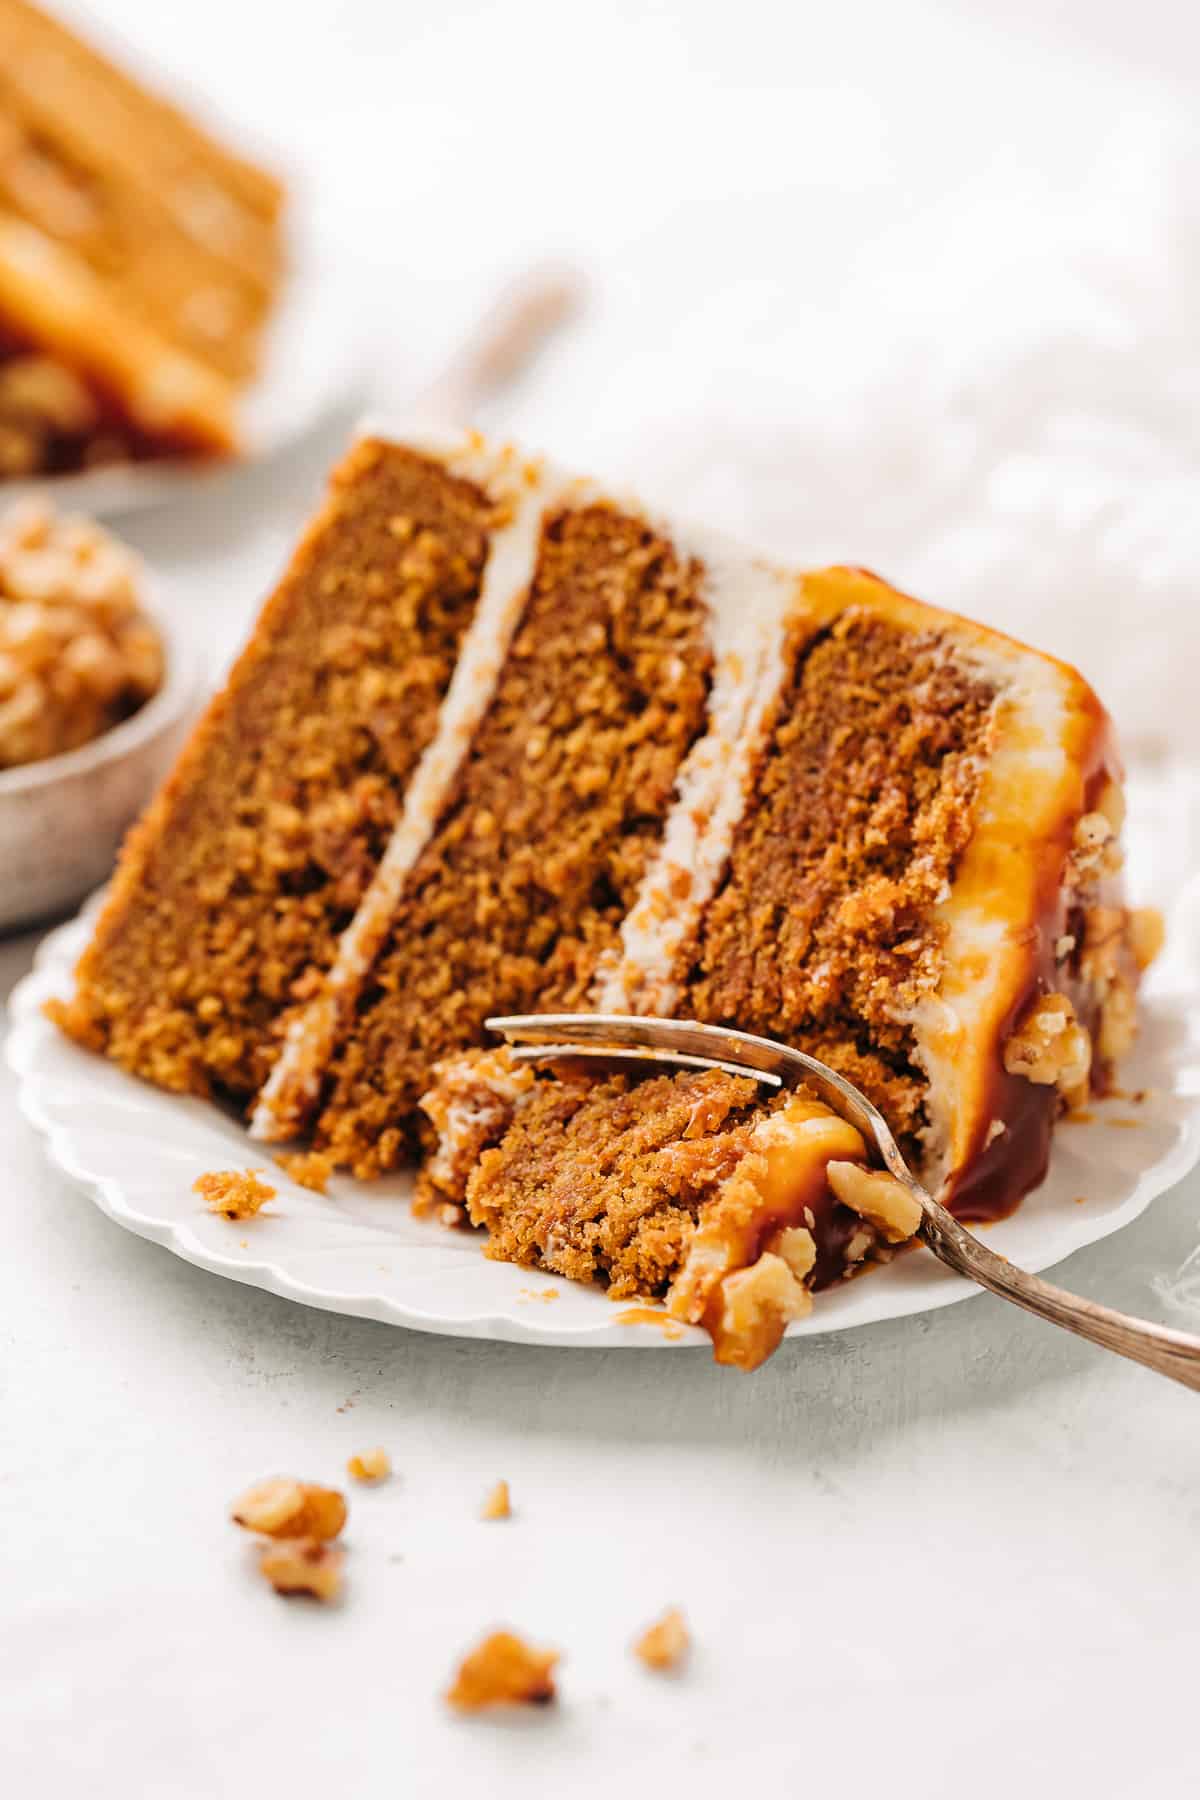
pixel 139 262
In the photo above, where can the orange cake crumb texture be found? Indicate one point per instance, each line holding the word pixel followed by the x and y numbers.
pixel 233 1193
pixel 232 892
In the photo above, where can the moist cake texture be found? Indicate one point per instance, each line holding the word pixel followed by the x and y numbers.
pixel 541 850
pixel 234 890
pixel 681 1186
pixel 502 741
pixel 139 262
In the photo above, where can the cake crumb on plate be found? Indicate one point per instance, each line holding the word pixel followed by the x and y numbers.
pixel 233 1193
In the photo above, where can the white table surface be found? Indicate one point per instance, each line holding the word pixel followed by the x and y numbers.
pixel 955 1555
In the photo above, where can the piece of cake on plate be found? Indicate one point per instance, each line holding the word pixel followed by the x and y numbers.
pixel 503 741
pixel 139 261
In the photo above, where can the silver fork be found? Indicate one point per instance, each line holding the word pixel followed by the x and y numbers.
pixel 541 1037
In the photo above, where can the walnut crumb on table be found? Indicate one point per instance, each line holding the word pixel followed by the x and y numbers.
pixel 233 1193
pixel 303 1566
pixel 285 1508
pixel 370 1465
pixel 504 1671
pixel 664 1644
pixel 498 1504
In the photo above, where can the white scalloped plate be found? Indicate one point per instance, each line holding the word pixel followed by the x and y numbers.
pixel 359 1251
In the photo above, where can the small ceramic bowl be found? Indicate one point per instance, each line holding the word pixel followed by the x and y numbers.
pixel 63 818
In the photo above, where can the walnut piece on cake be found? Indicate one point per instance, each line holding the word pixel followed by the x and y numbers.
pixel 664 1644
pixel 370 1465
pixel 1051 1048
pixel 282 1507
pixel 878 1198
pixel 504 1671
pixel 233 1193
pixel 498 1503
pixel 303 1566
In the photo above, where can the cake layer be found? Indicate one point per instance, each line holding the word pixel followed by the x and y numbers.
pixel 183 235
pixel 234 889
pixel 823 932
pixel 683 1187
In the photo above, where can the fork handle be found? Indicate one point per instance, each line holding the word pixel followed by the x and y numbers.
pixel 1172 1353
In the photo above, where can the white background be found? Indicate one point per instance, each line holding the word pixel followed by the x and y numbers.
pixel 910 284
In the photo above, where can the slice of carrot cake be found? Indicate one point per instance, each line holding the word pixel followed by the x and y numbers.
pixel 139 262
pixel 505 742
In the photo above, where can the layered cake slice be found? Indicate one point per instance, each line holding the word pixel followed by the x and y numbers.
pixel 504 742
pixel 139 262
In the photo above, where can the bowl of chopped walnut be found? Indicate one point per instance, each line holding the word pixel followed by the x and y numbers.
pixel 95 693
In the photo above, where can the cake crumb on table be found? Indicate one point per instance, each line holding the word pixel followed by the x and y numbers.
pixel 504 1671
pixel 664 1644
pixel 285 1508
pixel 498 1504
pixel 303 1566
pixel 370 1465
pixel 233 1193
pixel 307 1168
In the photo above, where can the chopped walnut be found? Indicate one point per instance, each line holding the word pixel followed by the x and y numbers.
pixel 1147 934
pixel 498 1504
pixel 77 655
pixel 664 1644
pixel 856 1247
pixel 303 1566
pixel 504 1671
pixel 756 1304
pixel 878 1198
pixel 370 1465
pixel 307 1168
pixel 1051 1048
pixel 1095 850
pixel 285 1508
pixel 233 1193
pixel 798 1248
